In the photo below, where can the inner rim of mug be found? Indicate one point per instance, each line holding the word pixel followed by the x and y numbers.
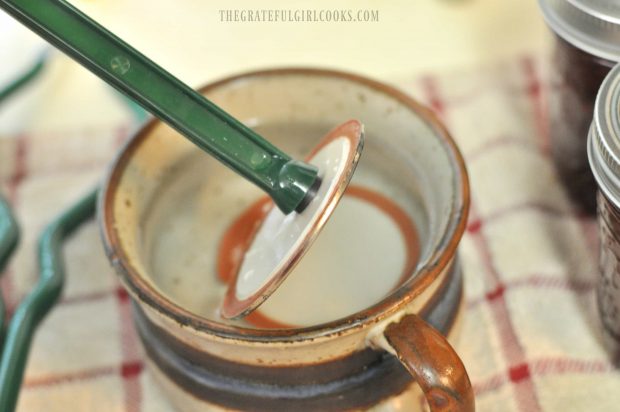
pixel 425 275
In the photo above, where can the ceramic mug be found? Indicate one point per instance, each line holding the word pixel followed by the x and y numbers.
pixel 359 340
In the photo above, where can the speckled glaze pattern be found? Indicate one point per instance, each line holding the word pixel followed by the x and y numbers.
pixel 335 385
pixel 206 364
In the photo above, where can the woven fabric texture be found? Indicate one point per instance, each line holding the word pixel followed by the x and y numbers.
pixel 530 335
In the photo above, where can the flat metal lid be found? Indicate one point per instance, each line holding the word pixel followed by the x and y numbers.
pixel 604 138
pixel 591 25
pixel 282 240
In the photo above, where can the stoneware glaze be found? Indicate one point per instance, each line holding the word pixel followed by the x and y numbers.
pixel 169 213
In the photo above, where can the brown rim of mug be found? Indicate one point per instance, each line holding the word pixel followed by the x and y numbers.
pixel 147 293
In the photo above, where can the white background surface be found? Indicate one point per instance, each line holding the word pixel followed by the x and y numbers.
pixel 188 38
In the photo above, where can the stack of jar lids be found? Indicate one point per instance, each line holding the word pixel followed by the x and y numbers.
pixel 590 25
pixel 604 138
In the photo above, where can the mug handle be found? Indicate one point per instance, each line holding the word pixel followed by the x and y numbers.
pixel 433 363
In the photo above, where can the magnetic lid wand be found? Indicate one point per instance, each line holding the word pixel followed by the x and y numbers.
pixel 310 189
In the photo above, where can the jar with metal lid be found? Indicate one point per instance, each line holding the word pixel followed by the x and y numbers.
pixel 604 157
pixel 587 47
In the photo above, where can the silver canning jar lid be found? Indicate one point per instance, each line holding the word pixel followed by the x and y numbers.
pixel 604 137
pixel 590 25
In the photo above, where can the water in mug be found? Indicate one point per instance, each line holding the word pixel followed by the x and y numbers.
pixel 195 234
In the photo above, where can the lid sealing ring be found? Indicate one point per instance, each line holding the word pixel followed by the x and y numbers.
pixel 590 25
pixel 604 137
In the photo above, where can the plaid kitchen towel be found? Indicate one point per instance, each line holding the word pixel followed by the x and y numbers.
pixel 530 337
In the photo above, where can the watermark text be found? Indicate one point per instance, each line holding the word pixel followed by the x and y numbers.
pixel 298 16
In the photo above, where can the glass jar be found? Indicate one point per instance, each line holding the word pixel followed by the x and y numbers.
pixel 587 47
pixel 604 156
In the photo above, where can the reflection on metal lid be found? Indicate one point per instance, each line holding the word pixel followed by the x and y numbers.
pixel 591 25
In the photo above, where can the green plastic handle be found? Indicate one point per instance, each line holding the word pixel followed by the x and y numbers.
pixel 288 182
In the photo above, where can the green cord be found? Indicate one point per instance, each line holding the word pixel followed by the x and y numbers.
pixel 9 229
pixel 24 78
pixel 46 292
pixel 36 305
pixel 9 238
